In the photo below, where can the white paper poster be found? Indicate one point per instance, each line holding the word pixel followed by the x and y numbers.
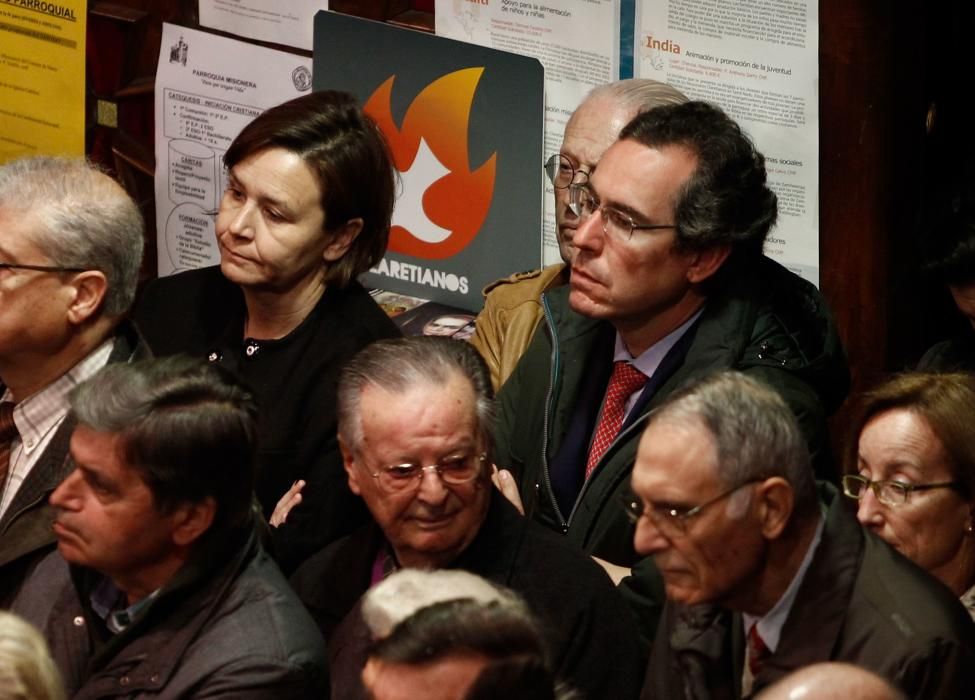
pixel 758 60
pixel 290 23
pixel 207 89
pixel 577 42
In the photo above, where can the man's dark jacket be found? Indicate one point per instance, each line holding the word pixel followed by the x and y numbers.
pixel 860 602
pixel 227 626
pixel 25 529
pixel 763 320
pixel 591 638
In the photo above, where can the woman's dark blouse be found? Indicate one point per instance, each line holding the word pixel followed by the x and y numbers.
pixel 294 379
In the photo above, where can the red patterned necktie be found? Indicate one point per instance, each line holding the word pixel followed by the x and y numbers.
pixel 8 431
pixel 757 651
pixel 624 381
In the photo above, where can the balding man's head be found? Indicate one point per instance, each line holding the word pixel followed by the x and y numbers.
pixel 831 681
pixel 593 128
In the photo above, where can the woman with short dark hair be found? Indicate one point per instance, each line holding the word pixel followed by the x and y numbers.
pixel 307 208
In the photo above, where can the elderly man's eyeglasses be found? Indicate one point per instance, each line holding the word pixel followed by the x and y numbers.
pixel 562 173
pixel 672 520
pixel 40 268
pixel 584 203
pixel 454 469
pixel 890 492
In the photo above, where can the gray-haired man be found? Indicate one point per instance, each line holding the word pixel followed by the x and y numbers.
pixel 415 420
pixel 763 573
pixel 71 244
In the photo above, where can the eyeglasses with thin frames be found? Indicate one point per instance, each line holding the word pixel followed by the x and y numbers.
pixel 40 268
pixel 454 469
pixel 562 172
pixel 890 492
pixel 584 203
pixel 672 520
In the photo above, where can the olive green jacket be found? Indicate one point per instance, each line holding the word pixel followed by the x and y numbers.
pixel 511 314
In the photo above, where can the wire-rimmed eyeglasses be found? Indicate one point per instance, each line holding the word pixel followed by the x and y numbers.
pixel 890 492
pixel 584 203
pixel 670 519
pixel 562 172
pixel 453 469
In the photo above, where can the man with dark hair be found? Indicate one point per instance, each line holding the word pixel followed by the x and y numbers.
pixel 513 306
pixel 415 421
pixel 668 282
pixel 171 593
pixel 71 244
pixel 765 575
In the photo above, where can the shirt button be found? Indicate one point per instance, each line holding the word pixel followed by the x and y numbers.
pixel 124 680
pixel 78 621
pixel 30 443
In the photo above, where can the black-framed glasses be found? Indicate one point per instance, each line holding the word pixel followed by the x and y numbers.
pixel 454 469
pixel 40 268
pixel 669 519
pixel 890 492
pixel 584 203
pixel 562 172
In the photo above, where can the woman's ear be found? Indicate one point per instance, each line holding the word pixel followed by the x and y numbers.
pixel 342 239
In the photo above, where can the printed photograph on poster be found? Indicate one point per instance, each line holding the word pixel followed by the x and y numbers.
pixel 758 61
pixel 576 41
pixel 207 89
pixel 288 23
pixel 42 78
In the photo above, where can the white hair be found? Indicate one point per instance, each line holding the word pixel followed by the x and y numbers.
pixel 407 591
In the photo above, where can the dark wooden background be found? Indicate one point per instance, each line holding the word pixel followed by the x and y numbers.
pixel 892 142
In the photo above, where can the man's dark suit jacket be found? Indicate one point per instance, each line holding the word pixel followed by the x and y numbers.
pixel 25 529
pixel 592 639
pixel 860 602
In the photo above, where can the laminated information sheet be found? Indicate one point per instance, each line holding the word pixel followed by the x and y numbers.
pixel 207 89
pixel 42 78
pixel 757 60
pixel 577 43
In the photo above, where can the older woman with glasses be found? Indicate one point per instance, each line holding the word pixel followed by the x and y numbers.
pixel 915 472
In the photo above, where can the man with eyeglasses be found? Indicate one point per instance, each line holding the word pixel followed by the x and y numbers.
pixel 513 306
pixel 668 283
pixel 415 419
pixel 71 244
pixel 765 573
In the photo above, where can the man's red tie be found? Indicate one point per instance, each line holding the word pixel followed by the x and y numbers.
pixel 757 651
pixel 625 380
pixel 8 431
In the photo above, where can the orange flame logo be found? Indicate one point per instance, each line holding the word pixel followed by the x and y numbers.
pixel 444 202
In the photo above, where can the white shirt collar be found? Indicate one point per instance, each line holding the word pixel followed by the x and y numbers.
pixel 650 359
pixel 770 625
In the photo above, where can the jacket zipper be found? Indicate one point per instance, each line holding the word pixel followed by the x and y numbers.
pixel 546 478
pixel 582 492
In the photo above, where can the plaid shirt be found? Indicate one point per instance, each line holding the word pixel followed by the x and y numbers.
pixel 38 416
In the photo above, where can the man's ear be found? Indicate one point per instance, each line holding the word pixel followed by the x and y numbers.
pixel 88 289
pixel 775 502
pixel 348 461
pixel 191 520
pixel 704 263
pixel 342 239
